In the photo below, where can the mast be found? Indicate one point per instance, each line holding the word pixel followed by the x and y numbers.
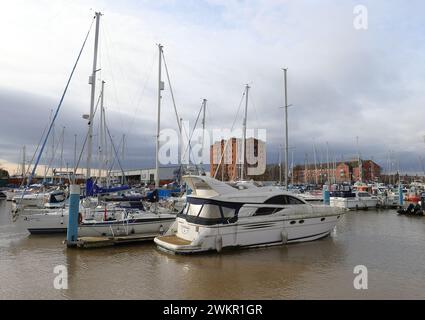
pixel 122 154
pixel 92 81
pixel 61 164
pixel 160 88
pixel 280 165
pixel 181 149
pixel 359 162
pixel 101 131
pixel 328 165
pixel 23 162
pixel 292 168
pixel 53 148
pixel 244 134
pixel 286 129
pixel 315 163
pixel 75 153
pixel 204 107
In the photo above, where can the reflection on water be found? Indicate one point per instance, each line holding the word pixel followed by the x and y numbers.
pixel 390 246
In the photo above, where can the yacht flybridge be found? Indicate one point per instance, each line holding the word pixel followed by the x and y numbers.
pixel 217 215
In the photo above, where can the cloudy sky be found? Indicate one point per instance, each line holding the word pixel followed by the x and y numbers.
pixel 343 82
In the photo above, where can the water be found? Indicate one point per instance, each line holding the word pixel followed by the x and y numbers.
pixel 392 247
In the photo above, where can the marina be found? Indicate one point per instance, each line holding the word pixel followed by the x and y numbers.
pixel 381 240
pixel 155 162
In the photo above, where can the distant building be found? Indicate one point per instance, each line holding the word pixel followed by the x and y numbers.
pixel 344 171
pixel 147 176
pixel 226 159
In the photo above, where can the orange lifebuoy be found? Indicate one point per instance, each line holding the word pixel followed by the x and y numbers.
pixel 80 218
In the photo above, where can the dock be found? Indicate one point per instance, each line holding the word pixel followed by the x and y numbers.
pixel 98 242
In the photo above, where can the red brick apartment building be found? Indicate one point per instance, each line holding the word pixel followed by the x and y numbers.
pixel 344 171
pixel 228 166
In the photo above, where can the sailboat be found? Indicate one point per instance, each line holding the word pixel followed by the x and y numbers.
pixel 106 219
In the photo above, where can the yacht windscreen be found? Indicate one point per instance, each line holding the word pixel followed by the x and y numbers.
pixel 210 212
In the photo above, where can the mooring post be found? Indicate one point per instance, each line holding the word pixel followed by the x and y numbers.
pixel 74 203
pixel 400 195
pixel 326 195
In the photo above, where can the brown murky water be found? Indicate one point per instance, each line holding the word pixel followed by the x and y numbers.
pixel 392 247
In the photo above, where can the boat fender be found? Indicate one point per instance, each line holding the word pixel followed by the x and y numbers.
pixel 218 243
pixel 284 237
pixel 161 230
pixel 80 218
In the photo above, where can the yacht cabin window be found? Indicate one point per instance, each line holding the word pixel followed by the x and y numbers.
pixel 228 212
pixel 266 211
pixel 283 199
pixel 210 211
pixel 192 209
pixel 363 194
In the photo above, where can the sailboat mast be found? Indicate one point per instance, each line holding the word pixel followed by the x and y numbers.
pixel 122 155
pixel 101 132
pixel 292 168
pixel 244 134
pixel 280 165
pixel 359 161
pixel 61 164
pixel 75 153
pixel 204 107
pixel 286 130
pixel 160 88
pixel 23 161
pixel 92 81
pixel 328 165
pixel 315 164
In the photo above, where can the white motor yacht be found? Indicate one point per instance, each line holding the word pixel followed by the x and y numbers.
pixel 218 216
pixel 354 200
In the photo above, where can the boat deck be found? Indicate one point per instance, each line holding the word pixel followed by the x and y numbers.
pixel 173 239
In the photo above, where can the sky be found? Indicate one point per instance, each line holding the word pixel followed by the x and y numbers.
pixel 353 90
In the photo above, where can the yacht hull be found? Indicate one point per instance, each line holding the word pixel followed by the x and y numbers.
pixel 152 225
pixel 186 238
pixel 353 203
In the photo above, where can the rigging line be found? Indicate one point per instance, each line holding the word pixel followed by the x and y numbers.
pixel 35 152
pixel 251 101
pixel 194 127
pixel 113 161
pixel 116 154
pixel 113 146
pixel 171 91
pixel 174 104
pixel 227 142
pixel 54 155
pixel 85 140
pixel 110 44
pixel 114 84
pixel 60 104
pixel 140 98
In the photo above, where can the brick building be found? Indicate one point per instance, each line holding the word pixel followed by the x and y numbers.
pixel 344 171
pixel 227 167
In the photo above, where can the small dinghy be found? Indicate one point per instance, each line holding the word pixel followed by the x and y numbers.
pixel 412 210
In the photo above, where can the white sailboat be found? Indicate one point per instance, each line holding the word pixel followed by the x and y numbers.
pixel 107 220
